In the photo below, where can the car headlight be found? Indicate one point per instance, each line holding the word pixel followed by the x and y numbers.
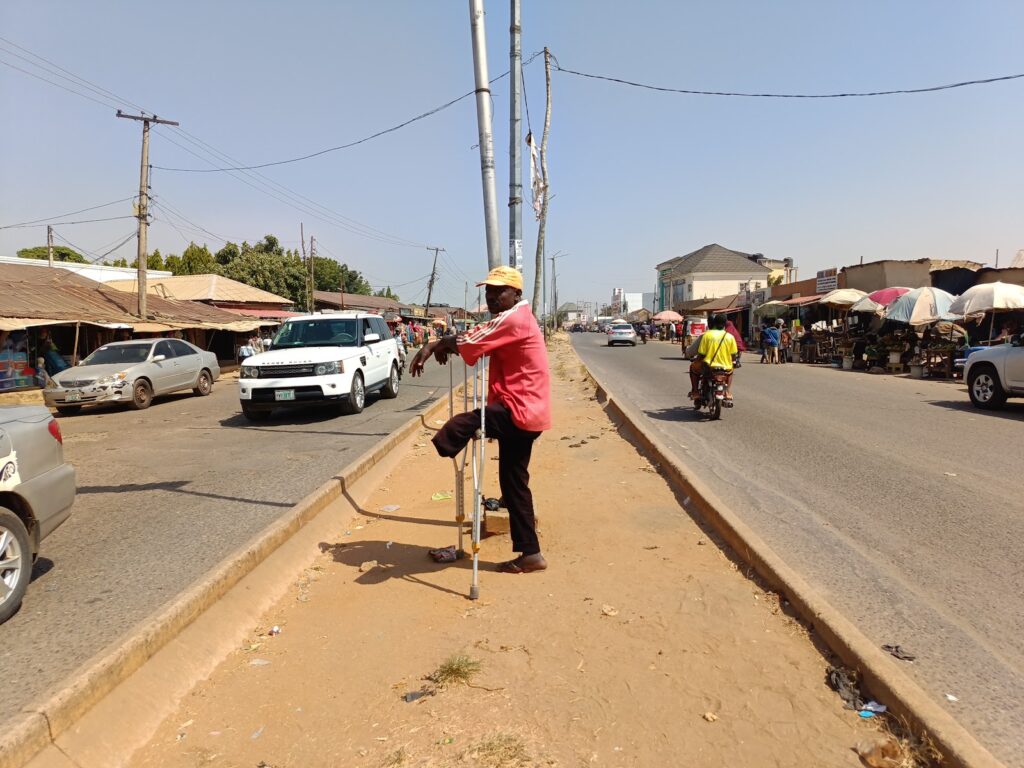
pixel 327 369
pixel 106 381
pixel 250 372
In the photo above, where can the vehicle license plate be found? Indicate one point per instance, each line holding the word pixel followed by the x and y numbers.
pixel 72 397
pixel 284 394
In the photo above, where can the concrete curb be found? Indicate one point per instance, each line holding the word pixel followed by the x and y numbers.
pixel 39 725
pixel 879 674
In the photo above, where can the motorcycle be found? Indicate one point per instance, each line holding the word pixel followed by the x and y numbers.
pixel 711 391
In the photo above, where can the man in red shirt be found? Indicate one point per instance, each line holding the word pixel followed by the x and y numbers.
pixel 518 402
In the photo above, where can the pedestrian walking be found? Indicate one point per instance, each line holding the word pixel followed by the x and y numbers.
pixel 518 402
pixel 785 340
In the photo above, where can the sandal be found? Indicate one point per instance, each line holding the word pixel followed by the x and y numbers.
pixel 522 565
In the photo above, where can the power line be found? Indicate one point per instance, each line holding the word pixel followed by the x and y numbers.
pixel 854 94
pixel 63 223
pixel 351 144
pixel 58 85
pixel 61 215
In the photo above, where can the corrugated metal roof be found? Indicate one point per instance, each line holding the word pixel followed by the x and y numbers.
pixel 60 295
pixel 203 288
pixel 716 259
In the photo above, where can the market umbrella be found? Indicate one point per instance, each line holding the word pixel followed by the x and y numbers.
pixel 988 297
pixel 921 306
pixel 887 296
pixel 668 316
pixel 772 309
pixel 866 304
pixel 842 298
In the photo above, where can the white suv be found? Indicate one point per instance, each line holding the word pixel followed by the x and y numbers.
pixel 322 359
pixel 995 374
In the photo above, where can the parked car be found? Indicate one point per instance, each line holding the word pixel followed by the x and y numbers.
pixel 621 333
pixel 133 372
pixel 326 359
pixel 37 489
pixel 995 374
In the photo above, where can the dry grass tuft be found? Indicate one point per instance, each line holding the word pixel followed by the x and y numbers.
pixel 500 751
pixel 459 668
pixel 916 750
pixel 396 758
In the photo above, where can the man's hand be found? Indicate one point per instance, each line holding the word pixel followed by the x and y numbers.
pixel 440 349
pixel 421 356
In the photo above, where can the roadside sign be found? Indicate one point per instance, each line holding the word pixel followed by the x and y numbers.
pixel 827 280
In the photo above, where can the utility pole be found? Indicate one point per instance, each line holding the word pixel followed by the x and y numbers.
pixel 554 291
pixel 483 118
pixel 538 287
pixel 310 304
pixel 515 140
pixel 49 245
pixel 433 277
pixel 144 201
pixel 997 259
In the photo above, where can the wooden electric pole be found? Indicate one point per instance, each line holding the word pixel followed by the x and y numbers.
pixel 144 201
pixel 49 246
pixel 433 277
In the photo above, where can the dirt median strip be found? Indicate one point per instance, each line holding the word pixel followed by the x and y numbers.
pixel 42 723
pixel 881 677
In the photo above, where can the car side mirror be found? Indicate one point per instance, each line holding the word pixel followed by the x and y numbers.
pixel 369 338
pixel 158 358
pixel 1015 339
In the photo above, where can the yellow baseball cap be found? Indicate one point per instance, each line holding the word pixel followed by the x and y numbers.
pixel 504 276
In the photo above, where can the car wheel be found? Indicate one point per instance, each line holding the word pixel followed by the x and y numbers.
pixel 984 387
pixel 254 414
pixel 15 563
pixel 68 410
pixel 357 397
pixel 391 388
pixel 142 395
pixel 204 385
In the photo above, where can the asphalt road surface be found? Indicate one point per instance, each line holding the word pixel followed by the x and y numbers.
pixel 894 497
pixel 164 495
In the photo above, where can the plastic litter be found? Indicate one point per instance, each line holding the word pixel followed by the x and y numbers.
pixel 444 554
pixel 879 754
pixel 388 545
pixel 412 696
pixel 274 631
pixel 441 496
pixel 391 508
pixel 609 610
pixel 492 505
pixel 844 682
pixel 258 663
pixel 257 733
pixel 898 652
pixel 874 707
pixel 951 697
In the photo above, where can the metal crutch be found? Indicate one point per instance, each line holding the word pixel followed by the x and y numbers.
pixel 479 452
pixel 459 462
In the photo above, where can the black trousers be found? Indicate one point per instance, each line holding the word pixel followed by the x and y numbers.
pixel 514 448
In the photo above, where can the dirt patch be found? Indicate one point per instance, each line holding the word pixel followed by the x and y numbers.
pixel 642 644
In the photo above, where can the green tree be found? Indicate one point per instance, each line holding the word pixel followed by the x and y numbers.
pixel 153 261
pixel 121 262
pixel 197 260
pixel 387 293
pixel 777 280
pixel 173 264
pixel 227 254
pixel 270 272
pixel 60 253
pixel 270 245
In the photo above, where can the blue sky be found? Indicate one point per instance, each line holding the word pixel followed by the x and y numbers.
pixel 639 176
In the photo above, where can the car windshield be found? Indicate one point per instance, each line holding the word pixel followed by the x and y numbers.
pixel 128 354
pixel 329 332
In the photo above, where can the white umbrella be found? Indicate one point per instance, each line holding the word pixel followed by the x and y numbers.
pixel 922 306
pixel 842 298
pixel 772 309
pixel 866 304
pixel 988 297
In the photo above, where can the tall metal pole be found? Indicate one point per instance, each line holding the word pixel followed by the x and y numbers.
pixel 515 142
pixel 49 246
pixel 483 118
pixel 144 202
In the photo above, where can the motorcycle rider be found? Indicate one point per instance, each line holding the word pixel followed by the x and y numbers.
pixel 716 348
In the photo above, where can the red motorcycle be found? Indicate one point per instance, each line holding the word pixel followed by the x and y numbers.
pixel 713 384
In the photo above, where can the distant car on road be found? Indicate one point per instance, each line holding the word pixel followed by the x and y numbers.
pixel 325 359
pixel 133 372
pixel 995 374
pixel 621 333
pixel 37 489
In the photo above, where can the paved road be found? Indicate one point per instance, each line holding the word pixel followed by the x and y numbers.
pixel 163 496
pixel 894 497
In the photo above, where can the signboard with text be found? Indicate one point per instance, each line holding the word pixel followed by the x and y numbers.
pixel 827 280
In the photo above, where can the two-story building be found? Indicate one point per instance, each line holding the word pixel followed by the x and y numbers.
pixel 708 273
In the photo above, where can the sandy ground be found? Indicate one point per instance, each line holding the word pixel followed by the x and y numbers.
pixel 643 644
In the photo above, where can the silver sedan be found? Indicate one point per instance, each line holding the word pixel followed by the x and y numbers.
pixel 133 372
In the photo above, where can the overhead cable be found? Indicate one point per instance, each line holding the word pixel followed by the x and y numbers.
pixel 62 215
pixel 846 95
pixel 63 223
